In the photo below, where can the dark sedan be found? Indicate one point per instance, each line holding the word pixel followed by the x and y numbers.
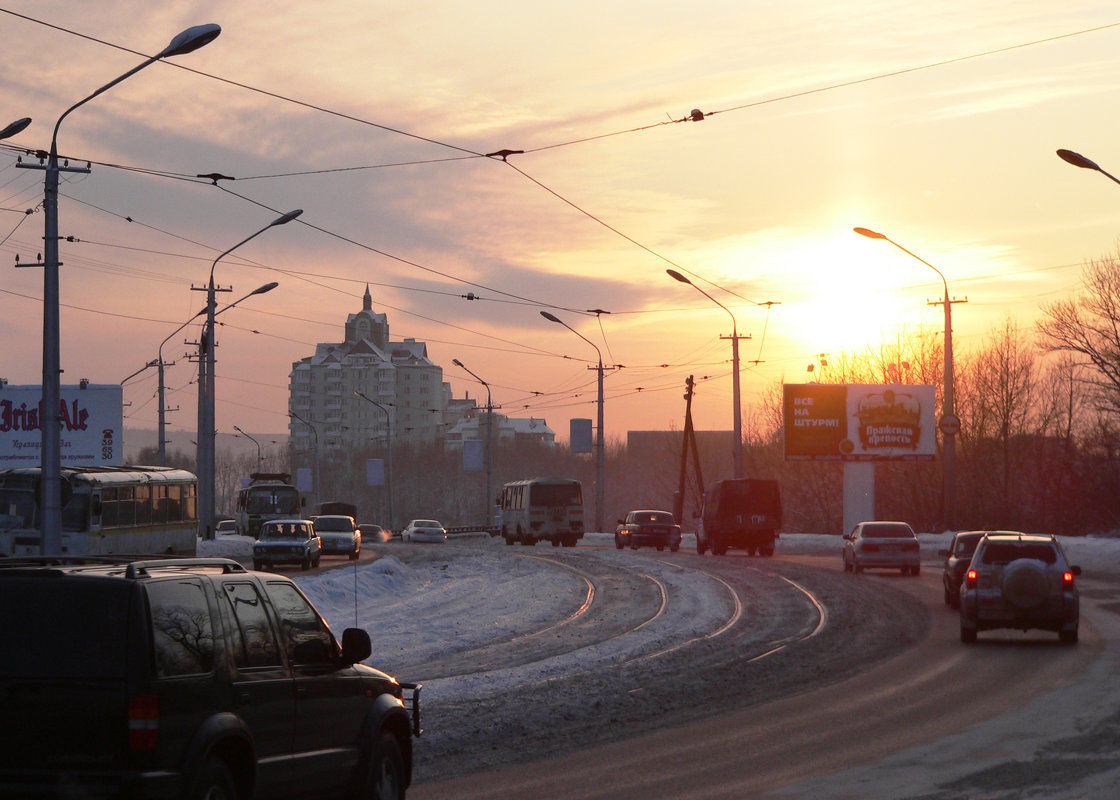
pixel 649 529
pixel 957 556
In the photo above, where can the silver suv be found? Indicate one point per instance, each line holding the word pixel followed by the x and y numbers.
pixel 1019 580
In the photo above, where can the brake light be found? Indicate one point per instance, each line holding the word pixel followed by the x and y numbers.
pixel 1067 578
pixel 143 722
pixel 970 578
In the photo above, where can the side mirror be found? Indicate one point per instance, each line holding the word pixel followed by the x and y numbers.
pixel 355 645
pixel 1075 570
pixel 848 536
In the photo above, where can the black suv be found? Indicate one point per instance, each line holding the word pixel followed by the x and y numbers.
pixel 188 678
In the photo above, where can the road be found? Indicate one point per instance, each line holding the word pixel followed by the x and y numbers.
pixel 802 682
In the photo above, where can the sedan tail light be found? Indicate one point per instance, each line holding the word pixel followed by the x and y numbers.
pixel 1067 579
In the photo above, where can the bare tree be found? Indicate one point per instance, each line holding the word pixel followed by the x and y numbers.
pixel 1088 325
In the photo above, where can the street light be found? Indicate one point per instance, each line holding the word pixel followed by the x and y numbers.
pixel 1079 160
pixel 254 441
pixel 600 460
pixel 51 459
pixel 206 415
pixel 489 440
pixel 314 453
pixel 736 411
pixel 388 455
pixel 949 424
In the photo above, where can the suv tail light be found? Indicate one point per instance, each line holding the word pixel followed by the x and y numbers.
pixel 1067 579
pixel 970 578
pixel 143 722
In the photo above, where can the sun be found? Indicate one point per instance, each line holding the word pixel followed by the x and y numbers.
pixel 842 293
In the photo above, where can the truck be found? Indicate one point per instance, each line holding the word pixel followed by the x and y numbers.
pixel 739 512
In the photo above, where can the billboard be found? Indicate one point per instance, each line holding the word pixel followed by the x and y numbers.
pixel 92 425
pixel 859 422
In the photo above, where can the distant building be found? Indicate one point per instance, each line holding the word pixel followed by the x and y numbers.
pixel 406 388
pixel 398 376
pixel 507 430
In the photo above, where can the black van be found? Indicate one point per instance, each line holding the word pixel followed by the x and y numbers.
pixel 740 512
pixel 188 678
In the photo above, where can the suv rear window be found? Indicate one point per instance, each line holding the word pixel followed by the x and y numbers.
pixel 1004 553
pixel 63 628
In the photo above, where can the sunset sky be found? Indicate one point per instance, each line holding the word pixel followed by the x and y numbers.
pixel 934 123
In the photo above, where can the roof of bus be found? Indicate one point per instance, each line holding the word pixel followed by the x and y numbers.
pixel 111 475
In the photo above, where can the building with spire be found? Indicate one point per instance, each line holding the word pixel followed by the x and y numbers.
pixel 409 395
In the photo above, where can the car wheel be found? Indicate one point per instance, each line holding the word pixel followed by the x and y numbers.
pixel 213 781
pixel 752 550
pixel 617 543
pixel 315 563
pixel 385 779
pixel 719 548
pixel 955 600
pixel 915 571
pixel 257 564
pixel 856 568
pixel 660 548
pixel 948 595
pixel 968 635
pixel 1068 636
pixel 674 548
pixel 306 563
pixel 354 555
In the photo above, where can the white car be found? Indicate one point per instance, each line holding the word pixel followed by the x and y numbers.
pixel 424 530
pixel 339 534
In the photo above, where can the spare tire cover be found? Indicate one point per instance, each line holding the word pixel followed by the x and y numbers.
pixel 1025 584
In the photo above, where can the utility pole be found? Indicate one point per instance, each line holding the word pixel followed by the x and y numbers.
pixel 689 439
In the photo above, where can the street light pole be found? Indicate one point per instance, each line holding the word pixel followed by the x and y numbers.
pixel 206 394
pixel 949 424
pixel 314 454
pixel 600 439
pixel 736 411
pixel 489 442
pixel 388 455
pixel 254 441
pixel 50 420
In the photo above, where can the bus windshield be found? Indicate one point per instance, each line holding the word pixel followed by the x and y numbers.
pixel 273 500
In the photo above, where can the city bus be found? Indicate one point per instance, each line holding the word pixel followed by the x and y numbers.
pixel 105 510
pixel 542 509
pixel 268 495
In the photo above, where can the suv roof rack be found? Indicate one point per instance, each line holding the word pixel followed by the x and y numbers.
pixel 136 566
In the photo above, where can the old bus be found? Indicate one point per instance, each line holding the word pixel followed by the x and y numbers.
pixel 542 509
pixel 268 495
pixel 105 510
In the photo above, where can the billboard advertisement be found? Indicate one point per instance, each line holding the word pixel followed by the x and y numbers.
pixel 92 424
pixel 859 422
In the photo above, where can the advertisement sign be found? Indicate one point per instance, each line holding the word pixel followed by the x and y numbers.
pixel 91 422
pixel 859 422
pixel 579 435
